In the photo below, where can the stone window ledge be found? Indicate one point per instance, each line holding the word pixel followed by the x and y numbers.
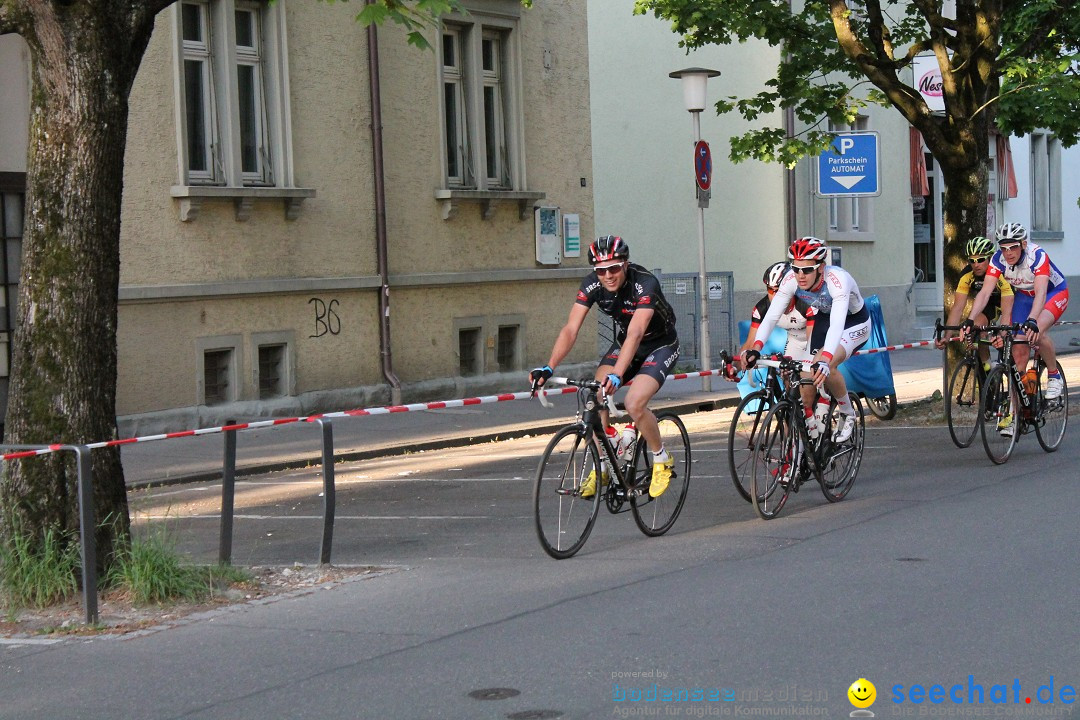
pixel 488 199
pixel 191 198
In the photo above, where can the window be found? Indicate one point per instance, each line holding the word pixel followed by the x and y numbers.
pixel 12 203
pixel 1045 182
pixel 217 376
pixel 273 372
pixel 507 347
pixel 481 125
pixel 233 119
pixel 470 352
pixel 849 215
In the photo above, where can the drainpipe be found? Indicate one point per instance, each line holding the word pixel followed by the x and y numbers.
pixel 380 215
pixel 789 175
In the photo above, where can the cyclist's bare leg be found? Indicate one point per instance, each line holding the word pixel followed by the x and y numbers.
pixel 637 400
pixel 1045 344
pixel 983 350
pixel 835 383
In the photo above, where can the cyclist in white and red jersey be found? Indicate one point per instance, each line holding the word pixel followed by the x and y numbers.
pixel 645 348
pixel 797 320
pixel 841 322
pixel 1041 297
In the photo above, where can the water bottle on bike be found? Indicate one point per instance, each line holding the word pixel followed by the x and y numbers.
pixel 627 441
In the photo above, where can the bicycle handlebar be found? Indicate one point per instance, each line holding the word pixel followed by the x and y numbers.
pixel 594 385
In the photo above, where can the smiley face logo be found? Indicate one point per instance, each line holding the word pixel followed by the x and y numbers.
pixel 862 693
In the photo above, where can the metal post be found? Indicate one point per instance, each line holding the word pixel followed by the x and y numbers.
pixel 329 497
pixel 228 496
pixel 703 283
pixel 87 528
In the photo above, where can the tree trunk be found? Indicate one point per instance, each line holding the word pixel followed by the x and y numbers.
pixel 63 374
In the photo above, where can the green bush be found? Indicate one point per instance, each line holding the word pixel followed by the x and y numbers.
pixel 36 575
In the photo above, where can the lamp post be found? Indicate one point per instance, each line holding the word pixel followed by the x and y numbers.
pixel 693 86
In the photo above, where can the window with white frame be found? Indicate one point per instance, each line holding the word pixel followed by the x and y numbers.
pixel 234 114
pixel 481 120
pixel 849 215
pixel 1045 182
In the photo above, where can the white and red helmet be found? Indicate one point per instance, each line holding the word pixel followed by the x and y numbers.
pixel 808 248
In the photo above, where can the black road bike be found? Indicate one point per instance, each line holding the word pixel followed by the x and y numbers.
pixel 564 518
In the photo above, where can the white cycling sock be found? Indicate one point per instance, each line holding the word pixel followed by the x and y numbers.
pixel 843 405
pixel 660 457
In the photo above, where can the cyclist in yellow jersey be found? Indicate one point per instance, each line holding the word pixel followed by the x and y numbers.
pixel 978 249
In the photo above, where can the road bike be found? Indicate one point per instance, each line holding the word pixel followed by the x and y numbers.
pixel 1014 402
pixel 963 397
pixel 745 422
pixel 786 453
pixel 564 518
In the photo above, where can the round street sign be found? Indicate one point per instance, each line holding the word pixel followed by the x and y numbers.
pixel 703 165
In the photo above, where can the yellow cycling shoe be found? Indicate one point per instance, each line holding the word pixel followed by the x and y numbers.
pixel 661 477
pixel 1005 426
pixel 588 488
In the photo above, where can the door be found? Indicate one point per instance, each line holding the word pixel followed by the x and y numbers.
pixel 928 282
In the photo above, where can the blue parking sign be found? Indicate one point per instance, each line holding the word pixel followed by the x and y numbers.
pixel 850 168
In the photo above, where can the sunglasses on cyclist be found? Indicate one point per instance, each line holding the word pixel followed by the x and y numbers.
pixel 803 270
pixel 982 259
pixel 1009 246
pixel 608 269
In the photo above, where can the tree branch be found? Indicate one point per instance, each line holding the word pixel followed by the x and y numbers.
pixel 1036 39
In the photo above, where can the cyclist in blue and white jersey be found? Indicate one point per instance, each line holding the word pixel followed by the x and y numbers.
pixel 841 322
pixel 1041 297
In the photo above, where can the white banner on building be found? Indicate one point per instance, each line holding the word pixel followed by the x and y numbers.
pixel 928 82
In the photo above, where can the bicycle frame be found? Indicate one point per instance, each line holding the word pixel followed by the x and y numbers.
pixel 1026 403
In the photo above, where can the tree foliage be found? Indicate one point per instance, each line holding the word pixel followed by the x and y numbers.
pixel 1006 64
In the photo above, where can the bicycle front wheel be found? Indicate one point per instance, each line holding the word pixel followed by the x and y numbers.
pixel 840 461
pixel 655 515
pixel 1053 414
pixel 962 402
pixel 564 518
pixel 744 425
pixel 999 423
pixel 776 461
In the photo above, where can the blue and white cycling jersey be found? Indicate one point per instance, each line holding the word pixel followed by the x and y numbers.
pixel 1021 276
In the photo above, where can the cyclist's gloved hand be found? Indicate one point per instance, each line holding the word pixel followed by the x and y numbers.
pixel 1031 327
pixel 539 376
pixel 820 368
pixel 750 358
pixel 967 328
pixel 612 383
pixel 730 372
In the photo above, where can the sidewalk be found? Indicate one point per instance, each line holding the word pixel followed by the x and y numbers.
pixel 917 372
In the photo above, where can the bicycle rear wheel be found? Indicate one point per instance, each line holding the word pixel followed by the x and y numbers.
pixel 655 515
pixel 744 424
pixel 776 461
pixel 564 519
pixel 999 422
pixel 883 408
pixel 840 461
pixel 962 402
pixel 1053 414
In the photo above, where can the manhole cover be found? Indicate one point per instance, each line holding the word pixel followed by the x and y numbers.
pixel 494 693
pixel 535 715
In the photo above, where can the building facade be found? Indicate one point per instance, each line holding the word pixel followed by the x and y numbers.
pixel 280 257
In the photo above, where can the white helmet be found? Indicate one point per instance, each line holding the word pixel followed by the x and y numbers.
pixel 1011 232
pixel 774 273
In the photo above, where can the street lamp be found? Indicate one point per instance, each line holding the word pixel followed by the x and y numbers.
pixel 694 81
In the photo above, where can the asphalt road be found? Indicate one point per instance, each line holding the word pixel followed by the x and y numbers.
pixel 939 568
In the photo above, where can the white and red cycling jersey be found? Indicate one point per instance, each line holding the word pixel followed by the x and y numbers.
pixel 838 305
pixel 1033 262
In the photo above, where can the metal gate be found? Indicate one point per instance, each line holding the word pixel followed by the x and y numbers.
pixel 681 291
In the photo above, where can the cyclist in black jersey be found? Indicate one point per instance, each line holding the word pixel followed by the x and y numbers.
pixel 979 249
pixel 645 348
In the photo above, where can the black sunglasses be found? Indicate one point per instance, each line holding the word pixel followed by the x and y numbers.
pixel 803 270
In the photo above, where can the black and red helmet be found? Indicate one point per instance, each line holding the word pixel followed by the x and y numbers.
pixel 608 247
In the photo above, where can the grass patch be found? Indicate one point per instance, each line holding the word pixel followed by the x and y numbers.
pixel 150 571
pixel 38 574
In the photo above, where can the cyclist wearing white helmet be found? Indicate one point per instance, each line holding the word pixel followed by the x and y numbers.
pixel 646 346
pixel 978 249
pixel 841 322
pixel 1041 297
pixel 797 320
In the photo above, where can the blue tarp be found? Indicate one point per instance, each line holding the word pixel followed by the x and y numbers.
pixel 870 375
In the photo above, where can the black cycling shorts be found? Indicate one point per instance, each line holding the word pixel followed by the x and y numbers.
pixel 655 360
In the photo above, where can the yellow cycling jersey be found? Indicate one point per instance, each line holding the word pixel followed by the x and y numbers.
pixel 969 285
